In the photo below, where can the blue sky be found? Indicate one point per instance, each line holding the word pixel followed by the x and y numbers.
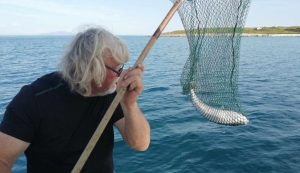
pixel 122 17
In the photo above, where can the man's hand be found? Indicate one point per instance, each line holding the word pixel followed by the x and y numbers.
pixel 132 80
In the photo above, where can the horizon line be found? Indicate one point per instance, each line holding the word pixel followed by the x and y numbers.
pixel 66 33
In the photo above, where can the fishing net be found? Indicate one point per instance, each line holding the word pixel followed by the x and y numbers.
pixel 210 75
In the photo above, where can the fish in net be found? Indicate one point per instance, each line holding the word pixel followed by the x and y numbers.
pixel 210 75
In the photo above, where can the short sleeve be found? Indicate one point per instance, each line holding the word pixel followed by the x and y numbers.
pixel 19 117
pixel 118 114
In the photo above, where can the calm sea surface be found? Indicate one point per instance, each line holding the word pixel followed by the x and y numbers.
pixel 181 139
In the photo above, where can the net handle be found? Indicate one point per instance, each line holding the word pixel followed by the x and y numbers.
pixel 121 92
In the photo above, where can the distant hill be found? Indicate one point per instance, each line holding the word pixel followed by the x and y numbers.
pixel 273 30
pixel 58 33
pixel 293 30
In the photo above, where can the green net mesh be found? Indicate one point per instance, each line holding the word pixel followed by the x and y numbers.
pixel 210 75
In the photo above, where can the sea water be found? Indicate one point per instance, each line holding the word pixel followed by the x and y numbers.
pixel 182 140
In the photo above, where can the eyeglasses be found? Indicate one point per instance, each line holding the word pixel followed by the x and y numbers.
pixel 118 72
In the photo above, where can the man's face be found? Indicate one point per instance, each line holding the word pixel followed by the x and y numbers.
pixel 109 85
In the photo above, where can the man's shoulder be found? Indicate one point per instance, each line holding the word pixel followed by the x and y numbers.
pixel 47 83
pixel 28 92
pixel 47 80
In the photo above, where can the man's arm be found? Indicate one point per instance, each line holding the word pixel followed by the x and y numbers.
pixel 134 127
pixel 10 149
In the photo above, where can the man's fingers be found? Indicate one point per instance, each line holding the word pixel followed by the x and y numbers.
pixel 141 66
pixel 136 84
pixel 139 71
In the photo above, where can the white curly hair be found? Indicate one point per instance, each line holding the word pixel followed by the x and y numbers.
pixel 83 62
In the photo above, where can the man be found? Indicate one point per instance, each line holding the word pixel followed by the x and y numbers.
pixel 53 118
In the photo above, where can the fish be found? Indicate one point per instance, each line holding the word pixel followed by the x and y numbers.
pixel 220 116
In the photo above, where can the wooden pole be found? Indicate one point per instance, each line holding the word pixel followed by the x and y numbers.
pixel 98 132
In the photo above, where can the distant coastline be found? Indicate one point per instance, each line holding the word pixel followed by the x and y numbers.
pixel 243 35
pixel 292 31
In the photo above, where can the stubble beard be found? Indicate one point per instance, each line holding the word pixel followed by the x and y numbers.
pixel 110 90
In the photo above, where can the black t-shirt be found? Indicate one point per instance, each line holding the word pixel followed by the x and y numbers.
pixel 59 123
